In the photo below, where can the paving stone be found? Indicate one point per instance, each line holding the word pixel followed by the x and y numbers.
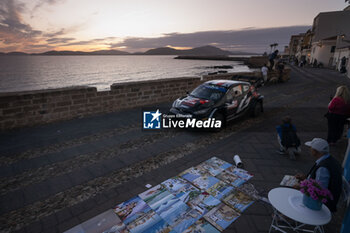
pixel 63 215
pixel 244 224
pixel 111 193
pixel 68 224
pixel 89 204
pixel 60 183
pixel 112 165
pixel 35 227
pixel 6 171
pixel 11 201
pixel 80 176
pixel 100 198
pixel 96 170
pixel 77 208
pixel 262 223
pixel 28 164
pixel 22 230
pixel 259 208
pixel 48 222
pixel 86 215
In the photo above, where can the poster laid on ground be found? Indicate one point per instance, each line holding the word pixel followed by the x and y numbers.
pixel 193 173
pixel 186 220
pixel 238 200
pixel 205 198
pixel 201 226
pixel 219 163
pixel 205 182
pixel 221 216
pixel 203 203
pixel 139 217
pixel 231 178
pixel 220 190
pixel 156 196
pixel 243 174
pixel 181 188
pixel 210 168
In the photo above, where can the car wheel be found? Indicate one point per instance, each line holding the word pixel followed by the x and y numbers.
pixel 257 110
pixel 221 117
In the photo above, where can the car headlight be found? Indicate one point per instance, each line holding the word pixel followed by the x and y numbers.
pixel 200 112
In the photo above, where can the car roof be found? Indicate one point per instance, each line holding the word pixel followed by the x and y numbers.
pixel 225 83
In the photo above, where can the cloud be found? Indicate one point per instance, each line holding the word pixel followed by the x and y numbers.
pixel 248 39
pixel 12 29
pixel 92 42
pixel 60 32
pixel 11 21
pixel 59 40
pixel 41 3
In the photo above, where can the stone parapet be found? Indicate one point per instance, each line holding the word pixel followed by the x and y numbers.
pixel 28 108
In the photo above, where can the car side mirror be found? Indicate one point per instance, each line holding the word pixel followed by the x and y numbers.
pixel 187 93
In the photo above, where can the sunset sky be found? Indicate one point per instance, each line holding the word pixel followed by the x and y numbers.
pixel 138 25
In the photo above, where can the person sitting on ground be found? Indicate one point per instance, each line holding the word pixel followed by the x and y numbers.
pixel 326 170
pixel 264 70
pixel 287 138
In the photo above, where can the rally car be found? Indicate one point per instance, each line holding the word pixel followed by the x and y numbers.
pixel 223 100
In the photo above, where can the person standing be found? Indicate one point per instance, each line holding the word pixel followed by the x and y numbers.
pixel 343 65
pixel 338 111
pixel 272 58
pixel 264 70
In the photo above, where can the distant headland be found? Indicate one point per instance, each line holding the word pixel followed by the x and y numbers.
pixel 198 51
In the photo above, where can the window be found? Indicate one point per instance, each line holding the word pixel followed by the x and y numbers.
pixel 245 88
pixel 237 90
pixel 332 49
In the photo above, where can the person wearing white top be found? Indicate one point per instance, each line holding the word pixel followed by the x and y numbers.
pixel 264 70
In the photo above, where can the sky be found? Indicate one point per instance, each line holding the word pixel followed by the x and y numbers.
pixel 138 25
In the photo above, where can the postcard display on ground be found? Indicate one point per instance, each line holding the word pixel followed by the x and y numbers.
pixel 205 198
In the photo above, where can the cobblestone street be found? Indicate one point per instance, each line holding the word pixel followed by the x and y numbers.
pixel 56 176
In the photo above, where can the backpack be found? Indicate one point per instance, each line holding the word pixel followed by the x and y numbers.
pixel 289 137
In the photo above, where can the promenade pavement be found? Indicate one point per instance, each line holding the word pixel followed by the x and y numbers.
pixel 59 175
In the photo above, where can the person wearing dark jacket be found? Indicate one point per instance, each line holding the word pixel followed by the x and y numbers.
pixel 287 138
pixel 272 58
pixel 326 170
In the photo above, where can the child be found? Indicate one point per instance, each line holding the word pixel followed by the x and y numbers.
pixel 288 139
pixel 264 70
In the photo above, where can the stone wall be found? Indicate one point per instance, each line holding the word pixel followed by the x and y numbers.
pixel 19 109
pixel 30 108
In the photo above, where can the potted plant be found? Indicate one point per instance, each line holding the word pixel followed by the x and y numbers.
pixel 314 194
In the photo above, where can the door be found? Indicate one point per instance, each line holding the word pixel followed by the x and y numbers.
pixel 233 99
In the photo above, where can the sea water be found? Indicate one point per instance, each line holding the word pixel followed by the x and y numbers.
pixel 23 73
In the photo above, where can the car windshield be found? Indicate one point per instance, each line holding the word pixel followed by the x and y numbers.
pixel 209 92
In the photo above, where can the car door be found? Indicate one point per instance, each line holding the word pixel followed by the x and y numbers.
pixel 233 99
pixel 245 99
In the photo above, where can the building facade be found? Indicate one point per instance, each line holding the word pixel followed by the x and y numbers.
pixel 329 44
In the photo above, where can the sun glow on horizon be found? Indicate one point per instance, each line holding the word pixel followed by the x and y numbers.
pixel 133 25
pixel 178 48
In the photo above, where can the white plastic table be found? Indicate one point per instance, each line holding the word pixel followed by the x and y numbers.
pixel 287 202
